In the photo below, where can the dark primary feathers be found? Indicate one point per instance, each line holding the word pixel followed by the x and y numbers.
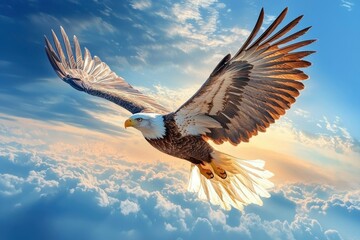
pixel 248 92
pixel 93 76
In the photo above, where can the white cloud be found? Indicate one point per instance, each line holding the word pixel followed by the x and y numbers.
pixel 5 63
pixel 42 18
pixel 141 4
pixel 217 216
pixel 103 198
pixel 121 61
pixel 332 235
pixel 347 200
pixel 169 227
pixel 168 209
pixel 39 180
pixel 180 214
pixel 196 25
pixel 11 156
pixel 325 145
pixel 201 226
pixel 302 225
pixel 348 5
pixel 191 30
pixel 136 191
pixel 318 206
pixel 243 227
pixel 186 11
pixel 336 138
pixel 127 207
pixel 302 113
pixel 190 10
pixel 93 23
pixel 305 228
pixel 80 162
pixel 170 98
pixel 269 19
pixel 91 174
pixel 10 184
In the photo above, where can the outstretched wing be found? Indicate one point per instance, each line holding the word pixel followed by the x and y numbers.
pixel 91 75
pixel 248 92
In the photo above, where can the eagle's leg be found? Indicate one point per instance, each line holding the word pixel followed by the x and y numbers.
pixel 218 170
pixel 205 172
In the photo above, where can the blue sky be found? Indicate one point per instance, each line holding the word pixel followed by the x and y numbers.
pixel 69 170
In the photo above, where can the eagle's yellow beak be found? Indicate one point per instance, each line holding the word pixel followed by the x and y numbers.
pixel 128 123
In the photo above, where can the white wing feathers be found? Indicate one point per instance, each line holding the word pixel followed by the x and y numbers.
pixel 91 75
pixel 195 124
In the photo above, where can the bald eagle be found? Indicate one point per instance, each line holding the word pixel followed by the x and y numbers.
pixel 242 96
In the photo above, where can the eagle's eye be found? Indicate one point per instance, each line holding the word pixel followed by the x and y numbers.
pixel 138 119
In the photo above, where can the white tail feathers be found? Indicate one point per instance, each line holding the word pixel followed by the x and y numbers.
pixel 245 183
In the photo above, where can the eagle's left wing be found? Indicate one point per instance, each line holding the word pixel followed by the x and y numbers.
pixel 93 76
pixel 248 92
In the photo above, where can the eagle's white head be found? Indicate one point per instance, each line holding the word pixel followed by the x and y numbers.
pixel 151 125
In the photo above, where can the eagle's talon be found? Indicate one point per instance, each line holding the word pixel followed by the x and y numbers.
pixel 205 172
pixel 219 171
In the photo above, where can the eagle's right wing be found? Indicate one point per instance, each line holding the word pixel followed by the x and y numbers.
pixel 95 77
pixel 249 91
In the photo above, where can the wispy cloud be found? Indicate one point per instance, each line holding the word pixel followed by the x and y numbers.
pixel 302 113
pixel 269 19
pixel 141 4
pixel 348 5
pixel 187 30
pixel 95 23
pixel 198 23
pixel 4 63
pixel 91 23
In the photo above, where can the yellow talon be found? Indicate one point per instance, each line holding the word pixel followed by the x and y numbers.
pixel 218 170
pixel 205 172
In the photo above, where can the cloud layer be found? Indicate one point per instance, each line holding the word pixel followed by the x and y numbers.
pixel 68 170
pixel 90 190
